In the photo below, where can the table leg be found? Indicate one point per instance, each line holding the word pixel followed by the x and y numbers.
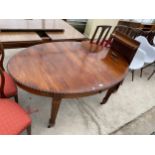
pixel 110 92
pixel 54 110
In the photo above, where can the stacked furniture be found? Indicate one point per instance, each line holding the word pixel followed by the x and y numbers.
pixel 134 24
pixel 146 51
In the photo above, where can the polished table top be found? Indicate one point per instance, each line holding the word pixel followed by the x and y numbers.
pixel 67 69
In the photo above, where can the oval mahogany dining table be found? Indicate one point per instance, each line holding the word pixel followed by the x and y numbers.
pixel 67 70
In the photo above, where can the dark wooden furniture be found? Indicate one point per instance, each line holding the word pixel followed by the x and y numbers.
pixel 13 119
pixel 148 27
pixel 102 36
pixel 8 88
pixel 24 33
pixel 130 23
pixel 134 24
pixel 72 69
pixel 130 31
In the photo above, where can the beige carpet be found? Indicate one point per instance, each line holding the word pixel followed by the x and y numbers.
pixel 86 115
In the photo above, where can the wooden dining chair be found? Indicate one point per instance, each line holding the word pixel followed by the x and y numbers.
pixel 121 46
pixel 124 45
pixel 10 88
pixel 122 28
pixel 119 28
pixel 99 38
pixel 13 119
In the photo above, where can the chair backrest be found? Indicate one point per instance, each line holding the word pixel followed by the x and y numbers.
pixel 122 28
pixel 124 45
pixel 1 56
pixel 2 79
pixel 140 54
pixel 139 57
pixel 2 82
pixel 105 29
pixel 146 46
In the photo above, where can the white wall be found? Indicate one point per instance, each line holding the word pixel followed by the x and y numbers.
pixel 92 23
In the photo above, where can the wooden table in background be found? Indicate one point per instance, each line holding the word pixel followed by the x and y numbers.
pixel 66 70
pixel 36 31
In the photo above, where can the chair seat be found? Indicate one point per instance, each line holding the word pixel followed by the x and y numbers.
pixel 149 59
pixel 138 64
pixel 10 88
pixel 13 119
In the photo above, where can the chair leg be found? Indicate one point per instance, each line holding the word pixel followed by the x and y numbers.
pixel 16 98
pixel 132 74
pixel 151 75
pixel 146 67
pixel 29 130
pixel 141 72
